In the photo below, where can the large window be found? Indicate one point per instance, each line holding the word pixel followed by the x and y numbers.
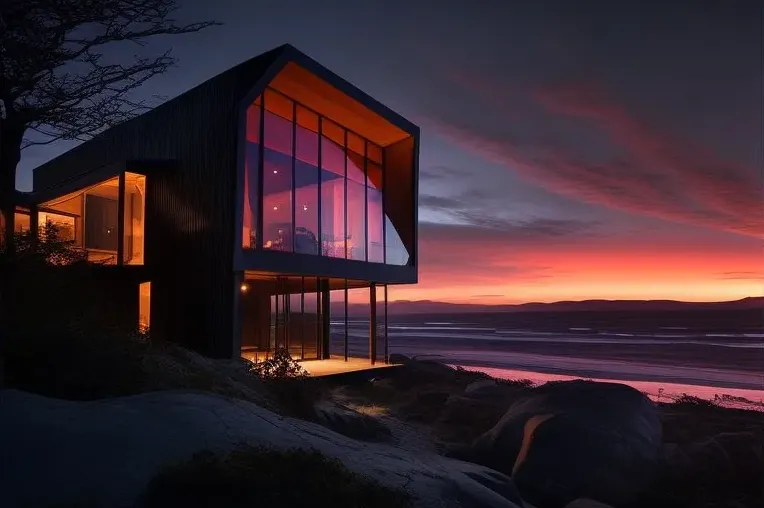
pixel 251 175
pixel 322 186
pixel 144 306
pixel 21 221
pixel 135 219
pixel 90 219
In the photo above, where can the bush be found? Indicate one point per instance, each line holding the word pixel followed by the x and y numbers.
pixel 281 365
pixel 255 476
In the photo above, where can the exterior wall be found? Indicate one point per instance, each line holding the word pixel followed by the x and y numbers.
pixel 188 150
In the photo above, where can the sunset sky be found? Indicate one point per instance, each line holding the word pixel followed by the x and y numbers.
pixel 570 150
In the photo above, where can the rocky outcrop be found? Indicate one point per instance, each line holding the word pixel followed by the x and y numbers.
pixel 350 423
pixel 713 472
pixel 575 439
pixel 104 452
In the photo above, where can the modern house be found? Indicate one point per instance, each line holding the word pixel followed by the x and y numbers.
pixel 246 210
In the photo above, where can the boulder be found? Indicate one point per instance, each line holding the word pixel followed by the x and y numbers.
pixel 350 423
pixel 104 452
pixel 712 471
pixel 397 358
pixel 477 386
pixel 575 439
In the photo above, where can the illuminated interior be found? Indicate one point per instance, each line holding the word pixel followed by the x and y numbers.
pixel 323 183
pixel 290 312
pixel 144 306
pixel 90 219
pixel 135 219
pixel 21 221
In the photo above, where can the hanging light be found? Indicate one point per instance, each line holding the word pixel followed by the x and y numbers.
pixel 244 287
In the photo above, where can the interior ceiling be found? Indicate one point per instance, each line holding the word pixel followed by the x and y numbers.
pixel 315 93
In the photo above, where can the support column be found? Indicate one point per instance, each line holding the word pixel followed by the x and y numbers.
pixel 387 344
pixel 121 220
pixel 34 226
pixel 345 334
pixel 326 337
pixel 373 324
pixel 237 313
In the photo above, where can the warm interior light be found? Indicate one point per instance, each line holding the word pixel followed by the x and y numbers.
pixel 304 208
pixel 275 171
pixel 275 207
pixel 244 287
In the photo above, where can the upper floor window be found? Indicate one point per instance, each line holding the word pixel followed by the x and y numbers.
pixel 89 218
pixel 322 186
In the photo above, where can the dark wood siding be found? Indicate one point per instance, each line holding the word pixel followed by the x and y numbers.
pixel 190 203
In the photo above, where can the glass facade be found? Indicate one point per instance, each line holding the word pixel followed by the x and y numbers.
pixel 135 219
pixel 281 313
pixel 290 312
pixel 322 186
pixel 21 221
pixel 144 306
pixel 90 219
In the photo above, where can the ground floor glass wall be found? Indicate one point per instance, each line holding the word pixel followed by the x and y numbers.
pixel 312 318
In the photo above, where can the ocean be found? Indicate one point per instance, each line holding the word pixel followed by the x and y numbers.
pixel 666 355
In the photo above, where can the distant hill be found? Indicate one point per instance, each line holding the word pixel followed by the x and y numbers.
pixel 433 307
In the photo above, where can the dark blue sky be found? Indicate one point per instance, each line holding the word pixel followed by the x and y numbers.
pixel 570 149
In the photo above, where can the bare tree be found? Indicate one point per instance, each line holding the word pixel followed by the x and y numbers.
pixel 57 81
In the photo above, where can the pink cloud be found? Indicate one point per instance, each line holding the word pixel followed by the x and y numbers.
pixel 658 176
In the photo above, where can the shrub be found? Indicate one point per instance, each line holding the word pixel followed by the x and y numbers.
pixel 691 400
pixel 255 476
pixel 519 383
pixel 281 365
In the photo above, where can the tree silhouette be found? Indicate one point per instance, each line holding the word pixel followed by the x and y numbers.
pixel 56 81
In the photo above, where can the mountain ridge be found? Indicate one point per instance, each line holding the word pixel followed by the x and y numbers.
pixel 592 305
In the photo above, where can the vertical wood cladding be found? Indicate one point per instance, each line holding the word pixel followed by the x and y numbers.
pixel 190 204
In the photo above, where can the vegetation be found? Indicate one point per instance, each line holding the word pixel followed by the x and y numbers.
pixel 289 386
pixel 262 477
pixel 280 366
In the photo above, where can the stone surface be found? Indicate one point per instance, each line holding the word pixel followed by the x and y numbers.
pixel 727 466
pixel 104 452
pixel 586 503
pixel 397 358
pixel 350 423
pixel 477 386
pixel 592 440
